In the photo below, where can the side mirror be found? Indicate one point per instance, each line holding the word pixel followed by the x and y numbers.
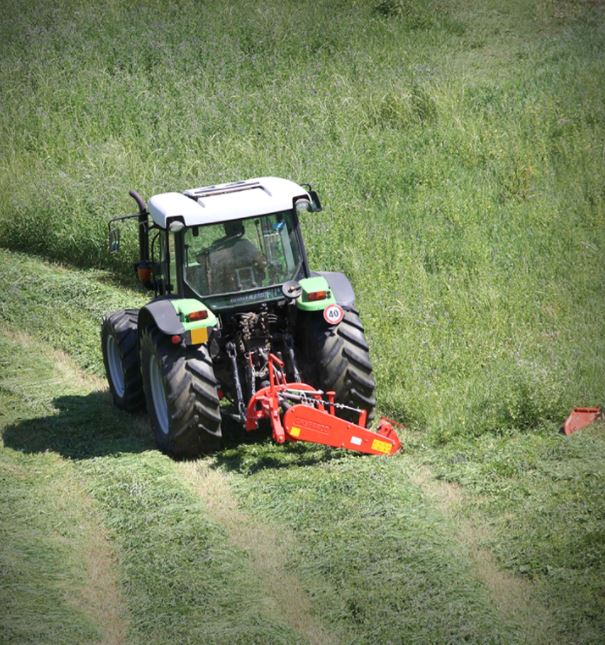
pixel 114 239
pixel 315 201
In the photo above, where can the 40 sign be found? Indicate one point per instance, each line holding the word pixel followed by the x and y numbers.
pixel 333 314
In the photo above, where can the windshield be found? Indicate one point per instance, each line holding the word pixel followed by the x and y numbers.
pixel 242 254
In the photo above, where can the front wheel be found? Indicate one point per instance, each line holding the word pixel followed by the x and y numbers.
pixel 121 359
pixel 182 398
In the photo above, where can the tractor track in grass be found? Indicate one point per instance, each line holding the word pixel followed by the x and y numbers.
pixel 267 549
pixel 82 532
pixel 513 597
pixel 100 596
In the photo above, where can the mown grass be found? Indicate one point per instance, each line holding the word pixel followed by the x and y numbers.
pixel 180 579
pixel 543 497
pixel 40 574
pixel 457 147
pixel 61 307
pixel 377 557
pixel 381 562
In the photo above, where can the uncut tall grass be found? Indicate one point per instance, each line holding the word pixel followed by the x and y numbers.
pixel 458 148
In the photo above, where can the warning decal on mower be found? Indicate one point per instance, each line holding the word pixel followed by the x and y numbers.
pixel 333 314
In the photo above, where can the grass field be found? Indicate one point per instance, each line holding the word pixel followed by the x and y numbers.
pixel 459 150
pixel 497 539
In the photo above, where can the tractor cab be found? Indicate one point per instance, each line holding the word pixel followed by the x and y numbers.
pixel 230 243
pixel 239 257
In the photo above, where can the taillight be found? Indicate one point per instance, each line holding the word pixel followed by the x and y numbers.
pixel 144 274
pixel 317 295
pixel 197 315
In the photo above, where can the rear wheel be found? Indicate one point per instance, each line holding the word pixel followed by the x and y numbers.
pixel 121 359
pixel 338 359
pixel 182 399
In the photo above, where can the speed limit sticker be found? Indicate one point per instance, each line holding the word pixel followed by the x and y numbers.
pixel 333 314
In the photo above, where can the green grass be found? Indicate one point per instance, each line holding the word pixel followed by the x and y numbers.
pixel 380 561
pixel 458 150
pixel 379 557
pixel 543 496
pixel 178 575
pixel 456 146
pixel 40 576
pixel 63 308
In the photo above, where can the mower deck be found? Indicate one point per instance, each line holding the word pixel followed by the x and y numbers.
pixel 310 417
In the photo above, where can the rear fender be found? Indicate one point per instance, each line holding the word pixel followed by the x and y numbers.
pixel 171 317
pixel 340 286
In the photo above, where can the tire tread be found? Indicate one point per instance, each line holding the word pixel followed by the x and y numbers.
pixel 191 396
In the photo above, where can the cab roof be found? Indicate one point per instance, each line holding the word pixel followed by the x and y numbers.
pixel 224 202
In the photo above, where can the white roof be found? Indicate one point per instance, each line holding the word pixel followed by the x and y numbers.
pixel 225 202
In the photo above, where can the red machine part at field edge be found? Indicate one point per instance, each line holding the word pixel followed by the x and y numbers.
pixel 580 417
pixel 309 417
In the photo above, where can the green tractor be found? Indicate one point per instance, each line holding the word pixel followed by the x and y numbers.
pixel 238 314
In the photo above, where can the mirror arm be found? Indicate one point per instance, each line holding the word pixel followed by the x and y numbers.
pixel 114 232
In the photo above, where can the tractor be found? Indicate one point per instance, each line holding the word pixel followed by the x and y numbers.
pixel 240 327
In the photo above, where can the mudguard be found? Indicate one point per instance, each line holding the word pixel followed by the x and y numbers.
pixel 162 313
pixel 340 286
pixel 171 317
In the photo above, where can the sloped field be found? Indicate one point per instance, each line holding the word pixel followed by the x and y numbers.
pixel 458 148
pixel 104 538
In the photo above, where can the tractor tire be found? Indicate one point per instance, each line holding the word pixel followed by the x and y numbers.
pixel 119 342
pixel 338 359
pixel 182 398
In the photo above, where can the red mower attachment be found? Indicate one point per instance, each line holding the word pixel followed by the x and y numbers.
pixel 310 417
pixel 580 417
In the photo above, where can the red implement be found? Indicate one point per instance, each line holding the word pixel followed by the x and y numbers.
pixel 304 423
pixel 310 417
pixel 580 417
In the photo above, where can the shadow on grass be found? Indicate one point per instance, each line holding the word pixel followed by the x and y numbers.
pixel 249 452
pixel 83 427
pixel 90 426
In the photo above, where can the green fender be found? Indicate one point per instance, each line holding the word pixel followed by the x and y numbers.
pixel 171 317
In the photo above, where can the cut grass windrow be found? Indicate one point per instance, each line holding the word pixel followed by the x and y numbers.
pixel 50 592
pixel 541 494
pixel 268 548
pixel 181 580
pixel 513 596
pixel 383 562
pixel 58 565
